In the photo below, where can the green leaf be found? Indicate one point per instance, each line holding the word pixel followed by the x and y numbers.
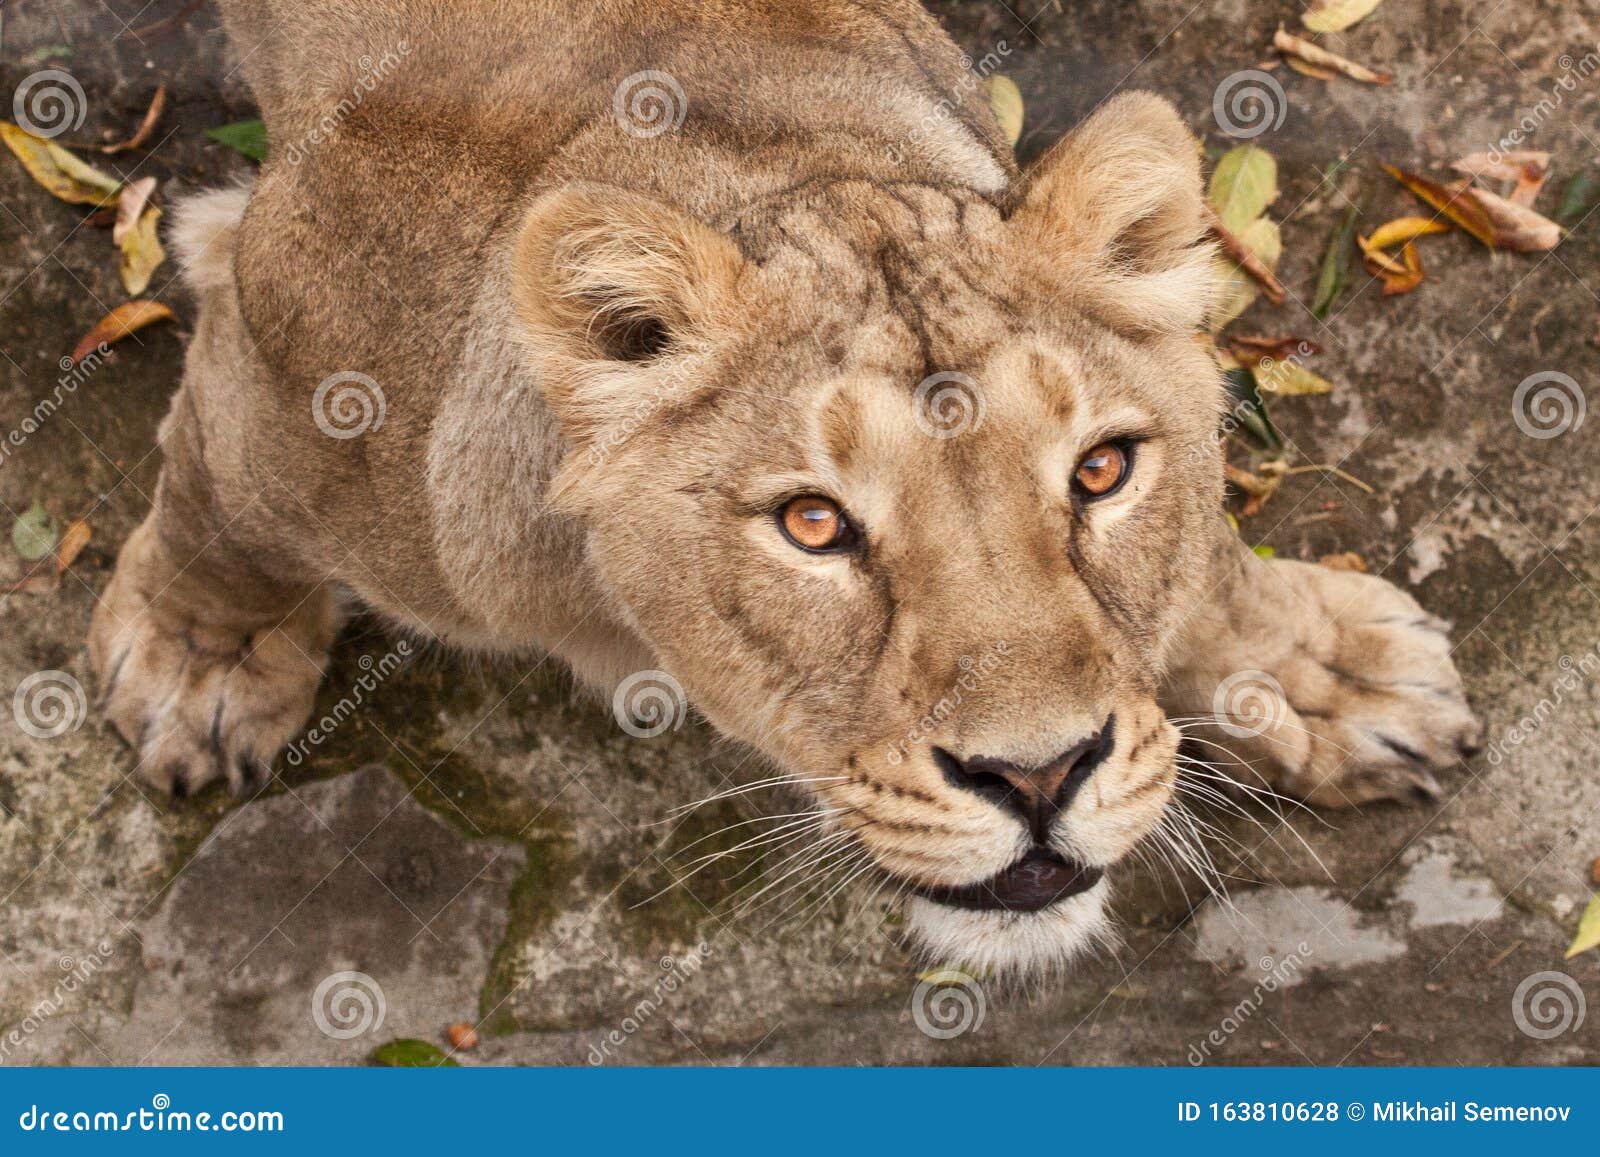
pixel 34 534
pixel 410 1053
pixel 1248 411
pixel 1263 551
pixel 247 137
pixel 1588 938
pixel 1579 194
pixel 51 52
pixel 1335 265
pixel 1243 184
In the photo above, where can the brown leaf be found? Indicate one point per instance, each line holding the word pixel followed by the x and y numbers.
pixel 1517 227
pixel 1241 255
pixel 1298 48
pixel 1410 275
pixel 1403 229
pixel 1344 560
pixel 1315 71
pixel 1529 168
pixel 60 172
pixel 1245 347
pixel 1594 870
pixel 73 540
pixel 1453 203
pixel 146 126
pixel 119 323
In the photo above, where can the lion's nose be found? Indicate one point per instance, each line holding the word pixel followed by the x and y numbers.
pixel 1036 794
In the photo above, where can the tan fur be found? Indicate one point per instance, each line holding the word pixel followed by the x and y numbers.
pixel 605 359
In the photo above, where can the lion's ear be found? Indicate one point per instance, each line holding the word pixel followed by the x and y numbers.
pixel 608 281
pixel 1123 190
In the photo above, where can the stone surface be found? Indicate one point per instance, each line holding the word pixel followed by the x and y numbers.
pixel 134 930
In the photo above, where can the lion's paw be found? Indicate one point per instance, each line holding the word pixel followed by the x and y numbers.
pixel 198 701
pixel 1350 696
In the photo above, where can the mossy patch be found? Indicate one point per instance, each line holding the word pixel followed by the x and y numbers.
pixel 536 894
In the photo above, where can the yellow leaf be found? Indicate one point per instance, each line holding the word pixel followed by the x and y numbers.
pixel 141 252
pixel 1243 184
pixel 1005 98
pixel 119 323
pixel 1289 379
pixel 1588 938
pixel 59 171
pixel 1336 15
pixel 1403 229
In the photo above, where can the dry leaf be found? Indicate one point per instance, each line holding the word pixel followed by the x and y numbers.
pixel 1336 15
pixel 1298 48
pixel 1246 258
pixel 119 323
pixel 1376 260
pixel 1258 486
pixel 1529 168
pixel 1263 239
pixel 1285 346
pixel 1006 101
pixel 146 126
pixel 1517 227
pixel 60 172
pixel 73 540
pixel 1588 937
pixel 1315 71
pixel 1344 560
pixel 1462 209
pixel 141 252
pixel 1242 186
pixel 1403 229
pixel 1594 870
pixel 130 203
pixel 1288 378
pixel 1410 275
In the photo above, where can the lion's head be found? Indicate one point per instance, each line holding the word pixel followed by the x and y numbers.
pixel 910 492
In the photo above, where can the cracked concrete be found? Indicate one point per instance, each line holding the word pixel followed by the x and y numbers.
pixel 503 864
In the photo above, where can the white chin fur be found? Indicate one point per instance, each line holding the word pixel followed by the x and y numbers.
pixel 1022 945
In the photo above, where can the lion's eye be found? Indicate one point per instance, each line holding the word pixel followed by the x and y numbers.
pixel 1102 470
pixel 815 523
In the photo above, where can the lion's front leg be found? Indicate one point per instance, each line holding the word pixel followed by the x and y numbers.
pixel 1333 686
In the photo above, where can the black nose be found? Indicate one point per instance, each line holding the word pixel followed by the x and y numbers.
pixel 1036 794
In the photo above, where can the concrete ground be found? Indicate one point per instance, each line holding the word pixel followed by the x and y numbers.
pixel 478 844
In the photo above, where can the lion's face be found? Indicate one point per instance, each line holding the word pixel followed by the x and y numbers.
pixel 912 498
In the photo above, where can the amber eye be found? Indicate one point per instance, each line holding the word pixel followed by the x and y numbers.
pixel 815 523
pixel 1102 470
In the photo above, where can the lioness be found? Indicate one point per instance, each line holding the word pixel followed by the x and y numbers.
pixel 723 337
